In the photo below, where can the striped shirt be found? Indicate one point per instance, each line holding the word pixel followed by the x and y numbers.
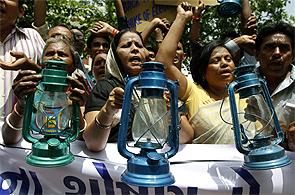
pixel 25 40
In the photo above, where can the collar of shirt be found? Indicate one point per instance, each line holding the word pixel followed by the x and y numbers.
pixel 15 30
pixel 289 79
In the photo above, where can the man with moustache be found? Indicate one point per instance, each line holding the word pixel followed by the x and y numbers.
pixel 275 53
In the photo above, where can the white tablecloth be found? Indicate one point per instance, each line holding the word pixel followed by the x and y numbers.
pixel 197 168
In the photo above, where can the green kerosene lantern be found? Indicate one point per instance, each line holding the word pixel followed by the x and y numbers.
pixel 50 124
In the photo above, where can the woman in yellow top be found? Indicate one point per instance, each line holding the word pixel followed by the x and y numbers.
pixel 203 99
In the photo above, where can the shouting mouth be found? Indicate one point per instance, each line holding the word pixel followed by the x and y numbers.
pixel 135 60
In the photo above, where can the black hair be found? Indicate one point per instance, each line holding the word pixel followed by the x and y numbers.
pixel 92 36
pixel 115 44
pixel 273 28
pixel 199 63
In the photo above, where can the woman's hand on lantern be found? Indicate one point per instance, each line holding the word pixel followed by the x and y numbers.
pixel 79 89
pixel 22 62
pixel 115 100
pixel 25 83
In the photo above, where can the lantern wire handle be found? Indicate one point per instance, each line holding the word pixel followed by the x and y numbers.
pixel 242 127
pixel 257 116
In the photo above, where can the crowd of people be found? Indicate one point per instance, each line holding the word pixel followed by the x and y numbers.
pixel 97 82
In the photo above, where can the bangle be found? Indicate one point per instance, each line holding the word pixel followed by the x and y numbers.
pixel 16 112
pixel 10 125
pixel 196 18
pixel 85 125
pixel 114 32
pixel 101 126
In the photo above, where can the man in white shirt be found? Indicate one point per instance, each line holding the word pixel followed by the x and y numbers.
pixel 14 42
pixel 275 53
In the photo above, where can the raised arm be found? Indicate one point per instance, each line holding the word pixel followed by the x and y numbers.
pixel 121 18
pixel 39 12
pixel 247 19
pixel 119 8
pixel 101 28
pixel 155 23
pixel 196 25
pixel 168 47
pixel 39 23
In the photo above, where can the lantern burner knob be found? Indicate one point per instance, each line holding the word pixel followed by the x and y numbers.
pixel 53 143
pixel 154 158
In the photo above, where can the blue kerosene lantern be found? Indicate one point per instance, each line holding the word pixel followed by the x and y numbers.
pixel 153 128
pixel 261 149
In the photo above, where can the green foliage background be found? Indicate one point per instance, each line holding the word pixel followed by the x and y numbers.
pixel 82 14
pixel 79 14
